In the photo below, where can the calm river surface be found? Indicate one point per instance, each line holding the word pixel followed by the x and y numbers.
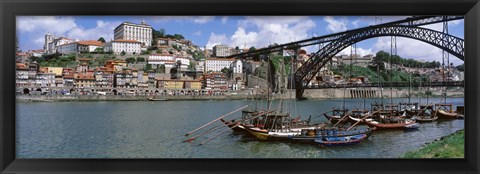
pixel 147 129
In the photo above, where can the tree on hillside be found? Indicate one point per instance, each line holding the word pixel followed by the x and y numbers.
pixel 461 67
pixel 252 49
pixel 99 50
pixel 228 71
pixel 178 36
pixel 101 39
pixel 130 60
pixel 140 59
pixel 191 66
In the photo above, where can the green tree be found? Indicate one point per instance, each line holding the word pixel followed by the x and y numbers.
pixel 123 53
pixel 130 60
pixel 147 68
pixel 228 71
pixel 101 39
pixel 99 50
pixel 161 68
pixel 178 36
pixel 191 66
pixel 140 59
pixel 252 49
pixel 461 67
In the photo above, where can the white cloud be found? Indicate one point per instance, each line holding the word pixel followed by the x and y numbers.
pixel 102 29
pixel 359 51
pixel 240 38
pixel 35 28
pixel 263 31
pixel 355 23
pixel 53 25
pixel 335 25
pixel 410 48
pixel 203 19
pixel 224 19
pixel 198 33
pixel 216 39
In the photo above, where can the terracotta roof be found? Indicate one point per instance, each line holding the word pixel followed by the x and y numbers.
pixel 84 59
pixel 161 55
pixel 125 40
pixel 21 66
pixel 224 59
pixel 90 42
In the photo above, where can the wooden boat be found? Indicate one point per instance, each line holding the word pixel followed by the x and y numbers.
pixel 445 111
pixel 157 99
pixel 277 126
pixel 357 115
pixel 409 109
pixel 386 120
pixel 425 114
pixel 249 118
pixel 309 135
pixel 341 141
pixel 335 115
pixel 412 126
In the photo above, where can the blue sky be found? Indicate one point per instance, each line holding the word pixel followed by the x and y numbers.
pixel 242 31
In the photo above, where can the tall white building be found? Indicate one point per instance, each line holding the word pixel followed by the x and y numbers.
pixel 237 66
pixel 217 64
pixel 130 31
pixel 119 45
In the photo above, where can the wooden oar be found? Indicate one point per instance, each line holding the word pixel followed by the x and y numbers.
pixel 369 115
pixel 216 120
pixel 216 135
pixel 341 119
pixel 358 122
pixel 207 131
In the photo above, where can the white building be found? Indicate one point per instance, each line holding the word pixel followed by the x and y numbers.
pixel 221 51
pixel 52 44
pixel 160 58
pixel 130 31
pixel 237 66
pixel 217 64
pixel 168 59
pixel 45 79
pixel 200 66
pixel 184 60
pixel 119 45
pixel 79 47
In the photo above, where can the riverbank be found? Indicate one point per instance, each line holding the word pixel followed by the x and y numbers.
pixel 450 146
pixel 312 94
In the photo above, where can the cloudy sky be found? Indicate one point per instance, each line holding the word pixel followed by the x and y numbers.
pixel 241 31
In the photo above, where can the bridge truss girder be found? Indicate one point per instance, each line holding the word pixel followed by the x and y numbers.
pixel 310 68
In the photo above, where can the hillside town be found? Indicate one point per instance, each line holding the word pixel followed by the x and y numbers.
pixel 137 63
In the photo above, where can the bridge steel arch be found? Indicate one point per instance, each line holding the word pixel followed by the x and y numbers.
pixel 451 44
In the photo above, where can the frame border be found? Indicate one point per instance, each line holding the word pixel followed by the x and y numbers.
pixel 10 8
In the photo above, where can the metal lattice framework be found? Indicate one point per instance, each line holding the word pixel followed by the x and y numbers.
pixel 307 71
pixel 412 22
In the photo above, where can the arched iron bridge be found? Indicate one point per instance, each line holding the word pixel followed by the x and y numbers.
pixel 334 43
pixel 307 71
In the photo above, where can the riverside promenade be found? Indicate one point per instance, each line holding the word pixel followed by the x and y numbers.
pixel 240 95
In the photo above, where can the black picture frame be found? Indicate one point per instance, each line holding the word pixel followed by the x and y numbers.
pixel 11 8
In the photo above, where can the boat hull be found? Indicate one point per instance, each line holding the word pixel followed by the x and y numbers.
pixel 341 141
pixel 441 114
pixel 372 123
pixel 311 138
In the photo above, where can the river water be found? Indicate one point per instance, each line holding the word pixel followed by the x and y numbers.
pixel 155 129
